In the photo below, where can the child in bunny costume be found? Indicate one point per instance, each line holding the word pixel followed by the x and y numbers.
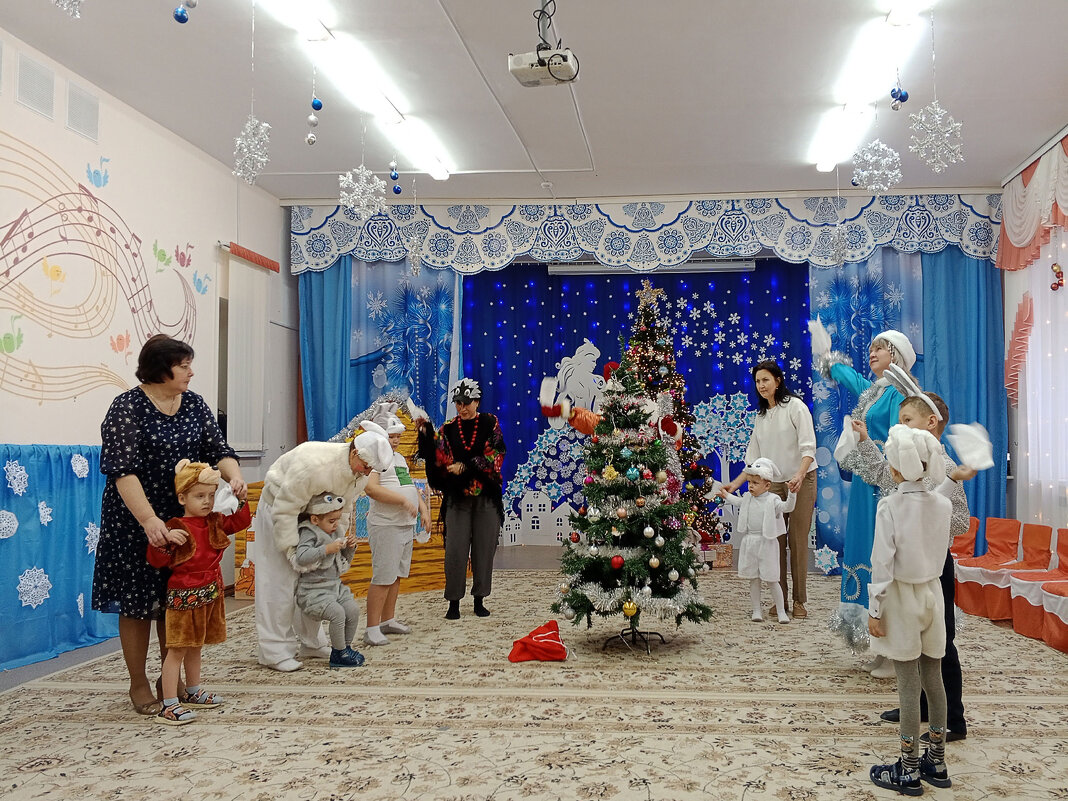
pixel 905 603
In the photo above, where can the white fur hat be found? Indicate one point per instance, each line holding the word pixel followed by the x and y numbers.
pixel 763 467
pixel 373 447
pixel 909 449
pixel 324 503
pixel 901 345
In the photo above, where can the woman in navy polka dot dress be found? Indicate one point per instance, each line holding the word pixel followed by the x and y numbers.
pixel 146 432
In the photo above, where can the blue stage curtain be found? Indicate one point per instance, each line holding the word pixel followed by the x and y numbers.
pixel 49 529
pixel 325 311
pixel 964 346
pixel 520 324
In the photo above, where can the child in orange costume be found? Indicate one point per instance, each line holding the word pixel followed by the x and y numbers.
pixel 195 611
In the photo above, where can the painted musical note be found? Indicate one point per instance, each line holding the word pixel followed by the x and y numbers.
pixel 17 239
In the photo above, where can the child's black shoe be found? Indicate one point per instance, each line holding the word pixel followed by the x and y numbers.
pixel 931 774
pixel 894 777
pixel 345 658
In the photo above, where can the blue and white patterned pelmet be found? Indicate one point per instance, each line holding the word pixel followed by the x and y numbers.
pixel 644 235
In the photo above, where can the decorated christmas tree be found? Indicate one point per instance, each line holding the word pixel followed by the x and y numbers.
pixel 629 552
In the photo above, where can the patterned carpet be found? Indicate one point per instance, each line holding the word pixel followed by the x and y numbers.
pixel 730 710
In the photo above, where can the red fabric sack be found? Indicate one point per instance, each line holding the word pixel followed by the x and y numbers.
pixel 542 644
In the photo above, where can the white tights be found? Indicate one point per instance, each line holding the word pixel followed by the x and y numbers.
pixel 776 592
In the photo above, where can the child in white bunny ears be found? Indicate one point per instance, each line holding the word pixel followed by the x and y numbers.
pixel 760 523
pixel 905 603
pixel 322 556
pixel 391 519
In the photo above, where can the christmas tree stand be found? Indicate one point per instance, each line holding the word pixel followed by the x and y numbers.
pixel 634 635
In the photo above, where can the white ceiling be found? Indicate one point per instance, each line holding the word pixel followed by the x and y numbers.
pixel 675 97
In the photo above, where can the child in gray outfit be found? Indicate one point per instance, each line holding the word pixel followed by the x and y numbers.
pixel 322 557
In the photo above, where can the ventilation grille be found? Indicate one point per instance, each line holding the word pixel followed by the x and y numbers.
pixel 36 86
pixel 83 112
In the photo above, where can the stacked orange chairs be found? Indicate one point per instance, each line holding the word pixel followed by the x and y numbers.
pixel 1002 540
pixel 1026 590
pixel 963 546
pixel 1055 614
pixel 1035 540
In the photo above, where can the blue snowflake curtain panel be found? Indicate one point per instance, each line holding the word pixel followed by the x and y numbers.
pixel 856 302
pixel 49 529
pixel 401 333
pixel 522 324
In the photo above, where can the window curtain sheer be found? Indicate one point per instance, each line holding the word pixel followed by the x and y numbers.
pixel 246 337
pixel 49 529
pixel 964 347
pixel 1042 459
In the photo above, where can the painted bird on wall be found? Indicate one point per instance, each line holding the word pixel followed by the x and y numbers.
pixel 55 275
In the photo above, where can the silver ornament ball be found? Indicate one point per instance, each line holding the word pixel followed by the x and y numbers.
pixel 659 542
pixel 673 575
pixel 189 3
pixel 649 532
pixel 569 613
pixel 594 550
pixel 310 138
pixel 647 591
pixel 313 120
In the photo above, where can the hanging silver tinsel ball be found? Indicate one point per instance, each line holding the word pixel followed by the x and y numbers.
pixel 895 105
pixel 252 149
pixel 313 120
pixel 72 7
pixel 876 167
pixel 839 245
pixel 361 193
pixel 935 137
pixel 310 138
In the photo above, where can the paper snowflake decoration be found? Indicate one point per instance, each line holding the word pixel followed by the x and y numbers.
pixel 9 524
pixel 33 587
pixel 252 149
pixel 935 137
pixel 80 465
pixel 17 477
pixel 92 537
pixel 839 245
pixel 362 193
pixel 81 604
pixel 826 559
pixel 44 513
pixel 876 167
pixel 72 7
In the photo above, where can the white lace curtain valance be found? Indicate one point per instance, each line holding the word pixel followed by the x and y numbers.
pixel 1035 201
pixel 645 235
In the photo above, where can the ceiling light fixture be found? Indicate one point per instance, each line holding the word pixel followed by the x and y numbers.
pixel 839 132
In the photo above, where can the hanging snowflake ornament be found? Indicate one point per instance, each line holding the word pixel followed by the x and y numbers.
pixel 252 149
pixel 362 193
pixel 839 244
pixel 414 245
pixel 935 137
pixel 72 7
pixel 826 559
pixel 876 167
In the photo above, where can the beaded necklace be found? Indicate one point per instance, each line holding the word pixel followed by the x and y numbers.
pixel 470 446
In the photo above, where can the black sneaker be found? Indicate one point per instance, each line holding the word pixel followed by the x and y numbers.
pixel 894 777
pixel 951 737
pixel 891 715
pixel 931 775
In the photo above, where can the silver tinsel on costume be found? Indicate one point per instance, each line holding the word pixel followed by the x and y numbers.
pixel 876 167
pixel 362 193
pixel 935 137
pixel 252 149
pixel 72 7
pixel 851 623
pixel 822 364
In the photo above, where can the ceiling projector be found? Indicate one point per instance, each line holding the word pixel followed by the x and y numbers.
pixel 544 67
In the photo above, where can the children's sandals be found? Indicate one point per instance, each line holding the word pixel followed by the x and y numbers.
pixel 201 699
pixel 175 715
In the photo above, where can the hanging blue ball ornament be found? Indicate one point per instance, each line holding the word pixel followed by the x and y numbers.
pixel 904 96
pixel 855 182
pixel 393 176
pixel 895 93
pixel 181 15
pixel 317 104
pixel 396 189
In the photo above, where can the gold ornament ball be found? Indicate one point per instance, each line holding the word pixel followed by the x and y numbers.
pixel 565 589
pixel 630 609
pixel 621 512
pixel 639 502
pixel 654 562
pixel 661 476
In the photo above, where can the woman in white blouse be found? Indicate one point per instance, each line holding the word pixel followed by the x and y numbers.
pixel 783 432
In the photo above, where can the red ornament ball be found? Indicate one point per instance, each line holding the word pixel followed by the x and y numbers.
pixel 617 561
pixel 582 511
pixel 575 536
pixel 595 439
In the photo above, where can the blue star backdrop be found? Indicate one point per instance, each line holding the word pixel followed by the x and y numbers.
pixel 518 326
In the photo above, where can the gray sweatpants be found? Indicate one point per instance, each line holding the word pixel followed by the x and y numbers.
pixel 472 527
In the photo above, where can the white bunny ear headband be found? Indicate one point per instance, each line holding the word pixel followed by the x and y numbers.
pixel 905 384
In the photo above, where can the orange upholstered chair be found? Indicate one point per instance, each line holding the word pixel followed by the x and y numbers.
pixel 963 547
pixel 1055 611
pixel 1025 587
pixel 1035 539
pixel 1002 543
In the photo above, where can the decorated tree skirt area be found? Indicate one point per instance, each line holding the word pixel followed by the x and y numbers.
pixel 728 709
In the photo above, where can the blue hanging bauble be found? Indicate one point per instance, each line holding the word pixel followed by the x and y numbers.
pixel 663 370
pixel 394 175
pixel 904 96
pixel 181 15
pixel 396 189
pixel 632 474
pixel 317 104
pixel 895 93
pixel 626 453
pixel 661 342
pixel 726 537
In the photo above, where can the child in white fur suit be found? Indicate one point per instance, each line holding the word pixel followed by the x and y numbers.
pixel 760 523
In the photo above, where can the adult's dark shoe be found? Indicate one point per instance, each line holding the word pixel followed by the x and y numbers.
pixel 891 716
pixel 951 736
pixel 480 609
pixel 454 611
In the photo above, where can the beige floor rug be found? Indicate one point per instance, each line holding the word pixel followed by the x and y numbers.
pixel 729 710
